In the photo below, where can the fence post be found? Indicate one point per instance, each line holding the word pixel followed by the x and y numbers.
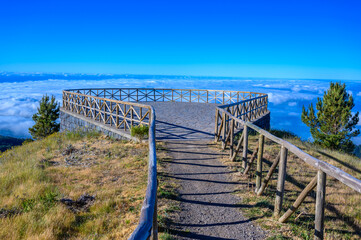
pixel 224 132
pixel 117 117
pixel 216 126
pixel 245 146
pixel 105 113
pixel 259 162
pixel 281 181
pixel 231 138
pixel 320 205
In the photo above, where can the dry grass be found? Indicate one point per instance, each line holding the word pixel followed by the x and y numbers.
pixel 33 178
pixel 343 205
pixel 168 206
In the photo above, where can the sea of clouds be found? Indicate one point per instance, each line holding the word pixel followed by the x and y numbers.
pixel 20 95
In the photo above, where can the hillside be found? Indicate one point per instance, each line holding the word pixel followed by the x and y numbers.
pixel 72 186
pixel 8 142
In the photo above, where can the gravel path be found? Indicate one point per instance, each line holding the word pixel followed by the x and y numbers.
pixel 209 210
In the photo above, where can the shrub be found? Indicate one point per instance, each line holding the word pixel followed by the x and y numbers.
pixel 140 131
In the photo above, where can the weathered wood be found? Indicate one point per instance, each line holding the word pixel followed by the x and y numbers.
pixel 228 134
pixel 329 169
pixel 220 131
pixel 224 131
pixel 253 157
pixel 281 182
pixel 320 205
pixel 269 175
pixel 154 233
pixel 299 200
pixel 231 138
pixel 237 147
pixel 216 126
pixel 259 162
pixel 245 146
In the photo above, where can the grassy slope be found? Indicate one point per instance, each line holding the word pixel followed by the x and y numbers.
pixel 33 177
pixel 343 208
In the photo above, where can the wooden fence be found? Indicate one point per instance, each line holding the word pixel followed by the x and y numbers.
pixel 169 95
pixel 234 119
pixel 117 114
pixel 120 109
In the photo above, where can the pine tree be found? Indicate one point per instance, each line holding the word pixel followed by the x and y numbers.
pixel 45 118
pixel 333 125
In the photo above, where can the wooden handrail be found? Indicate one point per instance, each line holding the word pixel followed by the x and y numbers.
pixel 230 114
pixel 329 169
pixel 146 227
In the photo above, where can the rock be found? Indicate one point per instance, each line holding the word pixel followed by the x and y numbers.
pixel 83 203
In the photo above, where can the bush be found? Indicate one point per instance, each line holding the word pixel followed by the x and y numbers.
pixel 140 131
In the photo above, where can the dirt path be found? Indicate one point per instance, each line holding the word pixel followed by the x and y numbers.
pixel 209 210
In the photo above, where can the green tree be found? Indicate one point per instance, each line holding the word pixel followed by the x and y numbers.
pixel 333 125
pixel 45 118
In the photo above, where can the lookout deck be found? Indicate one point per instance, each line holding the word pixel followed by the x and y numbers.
pixel 184 121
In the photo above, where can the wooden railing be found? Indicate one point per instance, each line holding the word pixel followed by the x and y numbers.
pixel 117 114
pixel 229 120
pixel 148 225
pixel 120 109
pixel 169 95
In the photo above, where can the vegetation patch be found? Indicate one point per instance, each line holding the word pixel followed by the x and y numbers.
pixel 140 131
pixel 72 186
pixel 342 210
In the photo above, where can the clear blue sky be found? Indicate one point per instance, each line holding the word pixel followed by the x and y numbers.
pixel 298 39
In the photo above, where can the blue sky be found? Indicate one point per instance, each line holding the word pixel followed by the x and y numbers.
pixel 292 39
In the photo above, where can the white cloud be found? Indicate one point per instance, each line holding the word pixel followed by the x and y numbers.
pixel 292 104
pixel 294 114
pixel 358 94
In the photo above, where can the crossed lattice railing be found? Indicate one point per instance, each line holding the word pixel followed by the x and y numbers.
pixel 233 124
pixel 169 95
pixel 117 114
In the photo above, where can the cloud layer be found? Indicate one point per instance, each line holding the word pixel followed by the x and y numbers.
pixel 19 99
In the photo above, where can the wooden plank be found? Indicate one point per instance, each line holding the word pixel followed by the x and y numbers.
pixel 253 157
pixel 154 233
pixel 299 200
pixel 320 205
pixel 231 138
pixel 245 146
pixel 224 131
pixel 259 162
pixel 220 130
pixel 269 175
pixel 216 126
pixel 233 158
pixel 281 182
